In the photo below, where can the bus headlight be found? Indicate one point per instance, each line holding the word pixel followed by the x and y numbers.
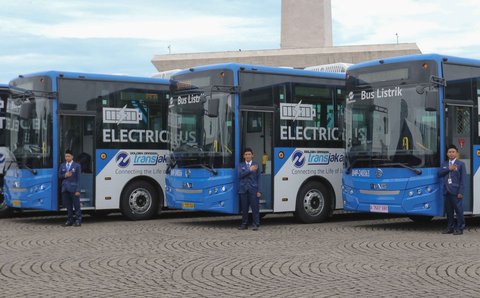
pixel 410 193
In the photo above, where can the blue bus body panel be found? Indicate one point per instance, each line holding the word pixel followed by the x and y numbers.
pixel 202 191
pixel 398 191
pixel 23 189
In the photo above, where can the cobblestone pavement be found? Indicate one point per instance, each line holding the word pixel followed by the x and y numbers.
pixel 194 255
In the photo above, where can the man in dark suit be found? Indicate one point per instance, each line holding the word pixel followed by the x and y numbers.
pixel 69 174
pixel 248 189
pixel 454 174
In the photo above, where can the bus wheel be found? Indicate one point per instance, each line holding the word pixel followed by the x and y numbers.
pixel 139 201
pixel 5 211
pixel 420 218
pixel 313 203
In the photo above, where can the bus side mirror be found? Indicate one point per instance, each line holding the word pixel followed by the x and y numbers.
pixel 212 107
pixel 431 102
pixel 26 110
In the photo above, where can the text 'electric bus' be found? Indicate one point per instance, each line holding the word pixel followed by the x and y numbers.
pixel 401 114
pixel 114 125
pixel 290 118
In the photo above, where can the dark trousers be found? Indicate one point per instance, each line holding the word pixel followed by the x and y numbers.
pixel 251 200
pixel 452 204
pixel 70 201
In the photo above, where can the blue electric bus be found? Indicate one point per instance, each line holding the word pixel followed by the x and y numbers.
pixel 115 127
pixel 290 118
pixel 4 153
pixel 401 114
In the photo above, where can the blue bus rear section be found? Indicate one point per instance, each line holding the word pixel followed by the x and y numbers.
pixel 410 187
pixel 5 156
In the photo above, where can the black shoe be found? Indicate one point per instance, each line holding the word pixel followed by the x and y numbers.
pixel 458 233
pixel 77 224
pixel 255 228
pixel 447 231
pixel 68 224
pixel 242 227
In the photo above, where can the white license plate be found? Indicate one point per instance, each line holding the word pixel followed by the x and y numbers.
pixel 379 208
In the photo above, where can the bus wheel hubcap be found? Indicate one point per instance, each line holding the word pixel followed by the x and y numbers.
pixel 313 202
pixel 140 200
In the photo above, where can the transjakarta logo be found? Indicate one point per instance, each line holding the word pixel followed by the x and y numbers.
pixel 298 159
pixel 312 157
pixel 381 93
pixel 139 159
pixel 122 159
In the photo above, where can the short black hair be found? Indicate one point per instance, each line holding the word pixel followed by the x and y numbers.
pixel 248 149
pixel 68 151
pixel 451 146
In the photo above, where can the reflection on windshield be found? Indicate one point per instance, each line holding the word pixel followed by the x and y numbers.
pixel 197 139
pixel 29 136
pixel 391 128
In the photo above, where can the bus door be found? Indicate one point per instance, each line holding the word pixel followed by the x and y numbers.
pixel 458 128
pixel 257 133
pixel 77 134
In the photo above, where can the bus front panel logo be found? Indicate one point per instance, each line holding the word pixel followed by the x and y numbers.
pixel 297 111
pixel 123 159
pixel 298 158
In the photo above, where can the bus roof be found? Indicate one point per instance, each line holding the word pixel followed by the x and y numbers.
pixel 435 57
pixel 265 69
pixel 95 76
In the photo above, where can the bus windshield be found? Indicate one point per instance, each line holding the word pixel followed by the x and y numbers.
pixel 28 121
pixel 199 138
pixel 387 119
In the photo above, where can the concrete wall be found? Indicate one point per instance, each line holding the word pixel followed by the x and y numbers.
pixel 297 58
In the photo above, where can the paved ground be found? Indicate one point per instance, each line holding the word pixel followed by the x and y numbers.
pixel 193 255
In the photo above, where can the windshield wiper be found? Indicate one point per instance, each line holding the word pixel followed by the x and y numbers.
pixel 33 171
pixel 417 171
pixel 207 167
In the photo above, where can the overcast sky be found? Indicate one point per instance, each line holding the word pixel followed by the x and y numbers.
pixel 122 36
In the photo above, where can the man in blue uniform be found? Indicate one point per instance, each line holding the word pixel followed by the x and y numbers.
pixel 69 174
pixel 248 189
pixel 453 174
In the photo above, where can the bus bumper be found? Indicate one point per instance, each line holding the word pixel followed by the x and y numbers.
pixel 412 202
pixel 221 199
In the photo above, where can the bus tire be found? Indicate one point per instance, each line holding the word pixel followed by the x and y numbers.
pixel 420 218
pixel 5 211
pixel 314 203
pixel 139 201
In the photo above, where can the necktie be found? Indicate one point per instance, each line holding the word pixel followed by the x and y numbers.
pixel 68 167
